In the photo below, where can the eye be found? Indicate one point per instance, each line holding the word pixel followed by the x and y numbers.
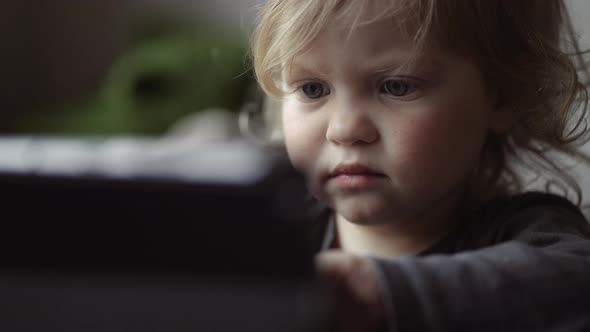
pixel 398 88
pixel 314 90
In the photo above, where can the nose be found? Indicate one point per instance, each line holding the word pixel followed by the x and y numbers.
pixel 350 123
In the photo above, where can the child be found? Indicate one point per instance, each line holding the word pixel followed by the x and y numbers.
pixel 410 119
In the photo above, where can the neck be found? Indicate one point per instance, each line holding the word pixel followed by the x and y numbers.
pixel 395 238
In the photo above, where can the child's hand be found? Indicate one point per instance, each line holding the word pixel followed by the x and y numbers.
pixel 355 281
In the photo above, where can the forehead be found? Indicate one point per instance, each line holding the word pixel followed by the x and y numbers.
pixel 372 47
pixel 371 26
pixel 364 12
pixel 374 38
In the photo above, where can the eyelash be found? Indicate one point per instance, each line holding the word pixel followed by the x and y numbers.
pixel 411 87
pixel 325 90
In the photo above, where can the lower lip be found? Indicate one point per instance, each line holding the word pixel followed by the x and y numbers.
pixel 357 181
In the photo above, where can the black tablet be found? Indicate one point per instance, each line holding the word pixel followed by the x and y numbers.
pixel 162 205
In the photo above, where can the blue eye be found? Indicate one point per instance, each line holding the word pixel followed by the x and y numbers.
pixel 314 90
pixel 397 88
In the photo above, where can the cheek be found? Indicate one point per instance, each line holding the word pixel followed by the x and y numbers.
pixel 299 138
pixel 445 143
pixel 452 135
pixel 295 144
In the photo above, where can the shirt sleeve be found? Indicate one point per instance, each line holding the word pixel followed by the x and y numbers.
pixel 538 280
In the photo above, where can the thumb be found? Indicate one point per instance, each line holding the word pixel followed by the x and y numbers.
pixel 336 266
pixel 356 275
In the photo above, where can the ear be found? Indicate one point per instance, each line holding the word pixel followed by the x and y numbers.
pixel 502 114
pixel 502 119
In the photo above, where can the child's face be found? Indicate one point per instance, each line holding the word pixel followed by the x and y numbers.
pixel 379 145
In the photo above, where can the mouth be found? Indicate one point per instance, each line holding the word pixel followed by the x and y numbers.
pixel 355 176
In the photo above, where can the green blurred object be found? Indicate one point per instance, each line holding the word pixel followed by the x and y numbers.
pixel 160 80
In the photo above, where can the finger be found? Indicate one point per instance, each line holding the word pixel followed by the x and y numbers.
pixel 336 264
pixel 354 281
pixel 356 273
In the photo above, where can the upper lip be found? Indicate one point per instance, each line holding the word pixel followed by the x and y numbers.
pixel 353 169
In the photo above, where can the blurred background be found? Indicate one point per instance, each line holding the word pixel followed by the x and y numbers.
pixel 120 67
pixel 136 67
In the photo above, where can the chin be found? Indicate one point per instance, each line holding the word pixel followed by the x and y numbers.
pixel 365 213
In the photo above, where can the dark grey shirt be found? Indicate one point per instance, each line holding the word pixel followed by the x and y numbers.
pixel 519 263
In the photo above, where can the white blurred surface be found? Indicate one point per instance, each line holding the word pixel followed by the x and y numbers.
pixel 179 158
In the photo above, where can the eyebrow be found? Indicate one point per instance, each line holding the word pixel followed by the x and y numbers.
pixel 387 61
pixel 300 69
pixel 393 61
pixel 393 65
